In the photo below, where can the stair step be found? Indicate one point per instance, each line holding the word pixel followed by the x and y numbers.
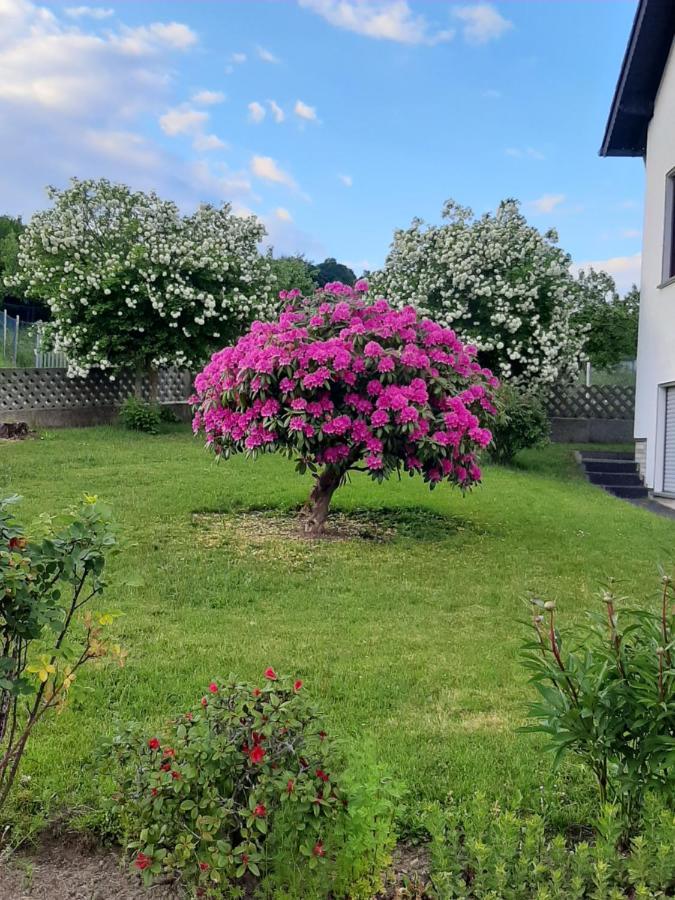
pixel 631 492
pixel 606 454
pixel 627 479
pixel 610 465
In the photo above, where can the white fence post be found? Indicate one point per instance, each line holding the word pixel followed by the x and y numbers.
pixel 17 325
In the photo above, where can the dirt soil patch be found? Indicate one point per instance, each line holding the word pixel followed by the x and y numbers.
pixel 67 869
pixel 244 528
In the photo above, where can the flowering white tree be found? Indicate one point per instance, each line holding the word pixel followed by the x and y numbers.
pixel 498 282
pixel 131 282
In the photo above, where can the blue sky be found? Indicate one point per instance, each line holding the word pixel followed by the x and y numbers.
pixel 335 122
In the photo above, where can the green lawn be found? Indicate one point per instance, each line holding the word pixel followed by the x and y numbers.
pixel 411 644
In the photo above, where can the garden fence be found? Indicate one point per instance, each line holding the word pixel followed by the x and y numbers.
pixel 49 397
pixel 21 345
pixel 10 338
pixel 610 401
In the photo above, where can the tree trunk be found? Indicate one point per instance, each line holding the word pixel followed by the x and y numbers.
pixel 316 509
pixel 138 383
pixel 153 378
pixel 153 383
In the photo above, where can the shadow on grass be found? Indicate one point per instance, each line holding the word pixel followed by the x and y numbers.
pixel 374 524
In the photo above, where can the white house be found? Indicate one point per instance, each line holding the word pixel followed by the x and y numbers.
pixel 642 123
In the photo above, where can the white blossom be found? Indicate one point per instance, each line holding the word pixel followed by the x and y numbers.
pixel 124 273
pixel 498 282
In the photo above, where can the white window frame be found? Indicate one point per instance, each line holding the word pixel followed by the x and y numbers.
pixel 668 264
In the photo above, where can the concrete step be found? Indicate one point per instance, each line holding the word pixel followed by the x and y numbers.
pixel 628 492
pixel 627 479
pixel 609 465
pixel 606 454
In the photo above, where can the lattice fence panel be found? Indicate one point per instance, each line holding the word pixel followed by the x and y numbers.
pixel 615 401
pixel 53 389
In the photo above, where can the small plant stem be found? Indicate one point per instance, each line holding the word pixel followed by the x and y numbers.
pixel 664 619
pixel 556 653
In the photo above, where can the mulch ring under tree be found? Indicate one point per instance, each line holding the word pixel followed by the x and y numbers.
pixel 72 869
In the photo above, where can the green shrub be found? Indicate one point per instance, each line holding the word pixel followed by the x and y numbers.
pixel 45 639
pixel 247 784
pixel 522 422
pixel 608 696
pixel 137 415
pixel 167 415
pixel 484 852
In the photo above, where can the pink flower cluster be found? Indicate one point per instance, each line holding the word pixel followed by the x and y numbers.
pixel 343 381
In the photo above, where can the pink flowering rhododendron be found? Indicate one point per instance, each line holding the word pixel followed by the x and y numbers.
pixel 342 382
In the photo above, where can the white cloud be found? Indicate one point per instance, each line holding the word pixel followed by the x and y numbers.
pixel 287 239
pixel 208 98
pixel 155 38
pixel 546 203
pixel 238 58
pixel 267 169
pixel 123 147
pixel 283 214
pixel 266 56
pixel 347 180
pixel 524 153
pixel 91 12
pixel 389 20
pixel 631 233
pixel 207 142
pixel 74 102
pixel 624 269
pixel 482 22
pixel 182 120
pixel 303 111
pixel 219 181
pixel 256 112
pixel 277 112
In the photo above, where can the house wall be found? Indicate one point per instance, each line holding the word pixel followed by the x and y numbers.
pixel 656 344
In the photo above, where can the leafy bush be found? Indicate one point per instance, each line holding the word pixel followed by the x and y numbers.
pixel 498 282
pixel 133 283
pixel 609 697
pixel 247 784
pixel 487 853
pixel 167 415
pixel 342 383
pixel 521 423
pixel 45 582
pixel 137 415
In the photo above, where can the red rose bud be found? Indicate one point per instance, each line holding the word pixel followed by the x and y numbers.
pixel 322 775
pixel 270 674
pixel 204 701
pixel 213 687
pixel 142 861
pixel 153 744
pixel 297 685
pixel 175 775
pixel 318 849
pixel 204 866
pixel 260 811
pixel 257 692
pixel 290 787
